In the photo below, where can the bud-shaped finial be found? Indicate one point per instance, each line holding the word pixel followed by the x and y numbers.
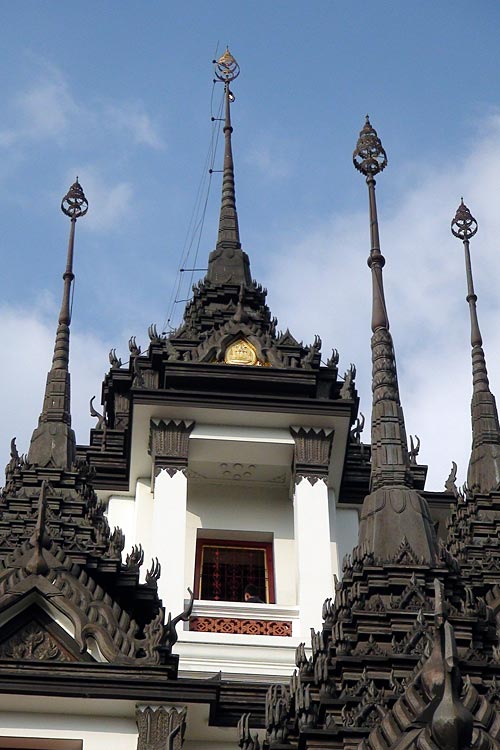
pixel 74 204
pixel 464 225
pixel 226 67
pixel 369 156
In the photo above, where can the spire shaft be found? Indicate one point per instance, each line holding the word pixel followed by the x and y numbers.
pixel 60 359
pixel 483 474
pixel 229 233
pixel 376 262
pixel 53 441
pixel 393 511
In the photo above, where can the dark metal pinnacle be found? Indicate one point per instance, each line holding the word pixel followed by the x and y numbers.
pixel 53 441
pixel 74 204
pixel 483 474
pixel 226 67
pixel 463 225
pixel 369 156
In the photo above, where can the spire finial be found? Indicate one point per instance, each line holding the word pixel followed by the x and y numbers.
pixel 226 67
pixel 369 156
pixel 484 466
pixel 53 441
pixel 393 510
pixel 228 263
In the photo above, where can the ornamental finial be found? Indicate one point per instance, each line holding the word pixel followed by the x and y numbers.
pixel 369 156
pixel 464 225
pixel 74 204
pixel 226 67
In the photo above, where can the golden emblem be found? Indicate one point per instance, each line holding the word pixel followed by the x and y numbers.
pixel 241 352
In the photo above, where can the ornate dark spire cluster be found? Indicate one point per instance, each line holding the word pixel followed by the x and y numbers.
pixel 393 510
pixel 227 308
pixel 55 538
pixel 483 475
pixel 53 441
pixel 409 652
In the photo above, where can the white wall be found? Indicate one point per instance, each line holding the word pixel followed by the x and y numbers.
pixel 239 507
pixel 100 733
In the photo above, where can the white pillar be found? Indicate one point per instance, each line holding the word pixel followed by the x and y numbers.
pixel 169 447
pixel 169 536
pixel 121 512
pixel 144 522
pixel 313 552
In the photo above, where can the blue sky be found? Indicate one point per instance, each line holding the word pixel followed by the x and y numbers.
pixel 121 94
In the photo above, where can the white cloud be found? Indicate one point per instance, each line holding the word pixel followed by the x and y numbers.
pixel 425 291
pixel 29 339
pixel 45 110
pixel 269 157
pixel 132 119
pixel 48 109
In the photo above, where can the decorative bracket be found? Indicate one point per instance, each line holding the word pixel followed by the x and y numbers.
pixel 169 444
pixel 313 446
pixel 160 727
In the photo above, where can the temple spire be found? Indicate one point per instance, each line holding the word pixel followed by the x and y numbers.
pixel 393 510
pixel 228 263
pixel 53 441
pixel 484 465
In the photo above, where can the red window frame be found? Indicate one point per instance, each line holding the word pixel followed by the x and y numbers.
pixel 267 547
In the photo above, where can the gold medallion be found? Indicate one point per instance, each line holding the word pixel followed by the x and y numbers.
pixel 241 352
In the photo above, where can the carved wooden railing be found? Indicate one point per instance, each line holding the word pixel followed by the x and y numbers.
pixel 243 618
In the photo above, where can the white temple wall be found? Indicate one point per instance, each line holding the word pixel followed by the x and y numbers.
pixel 97 733
pixel 121 512
pixel 260 513
pixel 346 533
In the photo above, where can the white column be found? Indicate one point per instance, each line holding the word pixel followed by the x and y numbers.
pixel 169 536
pixel 313 553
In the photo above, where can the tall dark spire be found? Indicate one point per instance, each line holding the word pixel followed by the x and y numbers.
pixel 393 510
pixel 484 466
pixel 53 441
pixel 228 263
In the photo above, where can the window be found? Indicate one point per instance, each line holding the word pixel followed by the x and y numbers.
pixel 224 568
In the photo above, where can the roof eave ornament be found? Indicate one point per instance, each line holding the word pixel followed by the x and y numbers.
pixel 483 474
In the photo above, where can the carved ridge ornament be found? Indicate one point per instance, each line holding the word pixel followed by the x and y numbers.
pixel 241 352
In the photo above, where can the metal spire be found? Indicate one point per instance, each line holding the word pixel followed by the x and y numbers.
pixel 228 263
pixel 53 441
pixel 393 510
pixel 484 465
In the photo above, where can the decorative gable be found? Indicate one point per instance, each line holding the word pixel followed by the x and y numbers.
pixel 34 636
